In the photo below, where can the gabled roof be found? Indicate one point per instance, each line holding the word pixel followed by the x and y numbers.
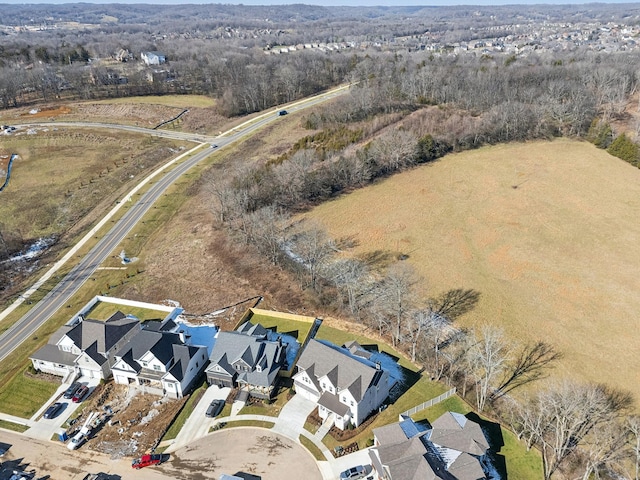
pixel 352 374
pixel 51 353
pixel 105 334
pixel 232 348
pixel 158 343
pixel 455 431
pixel 411 454
pixel 182 355
pixel 249 328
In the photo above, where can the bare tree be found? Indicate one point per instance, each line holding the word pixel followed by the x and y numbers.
pixel 396 298
pixel 568 413
pixel 351 277
pixel 604 449
pixel 487 359
pixel 313 248
pixel 267 228
pixel 633 425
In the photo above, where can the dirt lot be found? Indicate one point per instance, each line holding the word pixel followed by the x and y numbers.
pixel 249 450
pixel 137 423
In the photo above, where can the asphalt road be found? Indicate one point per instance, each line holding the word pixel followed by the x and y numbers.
pixel 60 294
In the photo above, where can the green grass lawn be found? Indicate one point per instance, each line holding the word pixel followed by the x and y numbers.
pixel 16 427
pixel 309 445
pixel 296 328
pixel 104 310
pixel 271 410
pixel 247 423
pixel 339 337
pixel 23 395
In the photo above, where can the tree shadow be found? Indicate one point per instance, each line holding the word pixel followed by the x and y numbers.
pixel 455 303
pixel 493 433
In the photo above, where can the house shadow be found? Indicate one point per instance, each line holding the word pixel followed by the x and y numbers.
pixel 409 379
pixel 493 433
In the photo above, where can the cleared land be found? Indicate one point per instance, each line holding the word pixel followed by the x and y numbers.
pixel 546 231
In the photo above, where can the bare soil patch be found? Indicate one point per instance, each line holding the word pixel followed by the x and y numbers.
pixel 137 423
pixel 546 231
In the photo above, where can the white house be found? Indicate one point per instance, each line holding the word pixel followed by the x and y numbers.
pixel 159 362
pixel 153 58
pixel 86 347
pixel 343 385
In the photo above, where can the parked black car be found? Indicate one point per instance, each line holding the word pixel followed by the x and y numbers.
pixel 53 410
pixel 73 388
pixel 215 408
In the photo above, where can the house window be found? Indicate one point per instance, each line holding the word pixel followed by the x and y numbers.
pixel 145 364
pixel 196 364
pixel 170 386
pixel 156 368
pixel 344 399
pixel 324 386
pixel 352 403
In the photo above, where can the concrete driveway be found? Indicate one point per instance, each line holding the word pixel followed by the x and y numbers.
pixel 43 428
pixel 198 425
pixel 293 415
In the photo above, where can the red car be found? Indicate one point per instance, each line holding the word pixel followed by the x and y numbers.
pixel 80 394
pixel 146 460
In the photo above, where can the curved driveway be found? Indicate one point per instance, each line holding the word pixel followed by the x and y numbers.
pixel 64 290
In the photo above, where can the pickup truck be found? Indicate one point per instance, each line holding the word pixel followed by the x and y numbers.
pixel 146 460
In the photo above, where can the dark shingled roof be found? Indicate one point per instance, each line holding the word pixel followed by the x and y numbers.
pixel 254 351
pixel 105 334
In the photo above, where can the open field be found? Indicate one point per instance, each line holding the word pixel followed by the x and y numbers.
pixel 61 175
pixel 547 232
pixel 178 101
pixel 104 310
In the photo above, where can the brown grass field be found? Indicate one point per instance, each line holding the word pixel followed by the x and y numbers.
pixel 548 232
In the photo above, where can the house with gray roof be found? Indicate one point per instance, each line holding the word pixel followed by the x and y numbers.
pixel 346 387
pixel 245 358
pixel 160 362
pixel 453 448
pixel 86 347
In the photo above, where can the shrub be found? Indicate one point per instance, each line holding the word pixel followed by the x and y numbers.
pixel 622 147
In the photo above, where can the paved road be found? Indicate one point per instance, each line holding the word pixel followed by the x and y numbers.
pixel 64 290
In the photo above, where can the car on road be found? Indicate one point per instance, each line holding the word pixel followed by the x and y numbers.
pixel 282 113
pixel 146 460
pixel 213 145
pixel 53 410
pixel 80 394
pixel 73 388
pixel 214 408
pixel 354 473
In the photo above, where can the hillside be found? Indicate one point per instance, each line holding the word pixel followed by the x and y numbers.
pixel 546 231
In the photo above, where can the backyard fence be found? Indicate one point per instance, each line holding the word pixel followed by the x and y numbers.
pixel 430 403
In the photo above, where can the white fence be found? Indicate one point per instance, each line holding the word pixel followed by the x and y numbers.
pixel 430 403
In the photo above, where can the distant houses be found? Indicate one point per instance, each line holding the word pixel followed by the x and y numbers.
pixel 153 58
